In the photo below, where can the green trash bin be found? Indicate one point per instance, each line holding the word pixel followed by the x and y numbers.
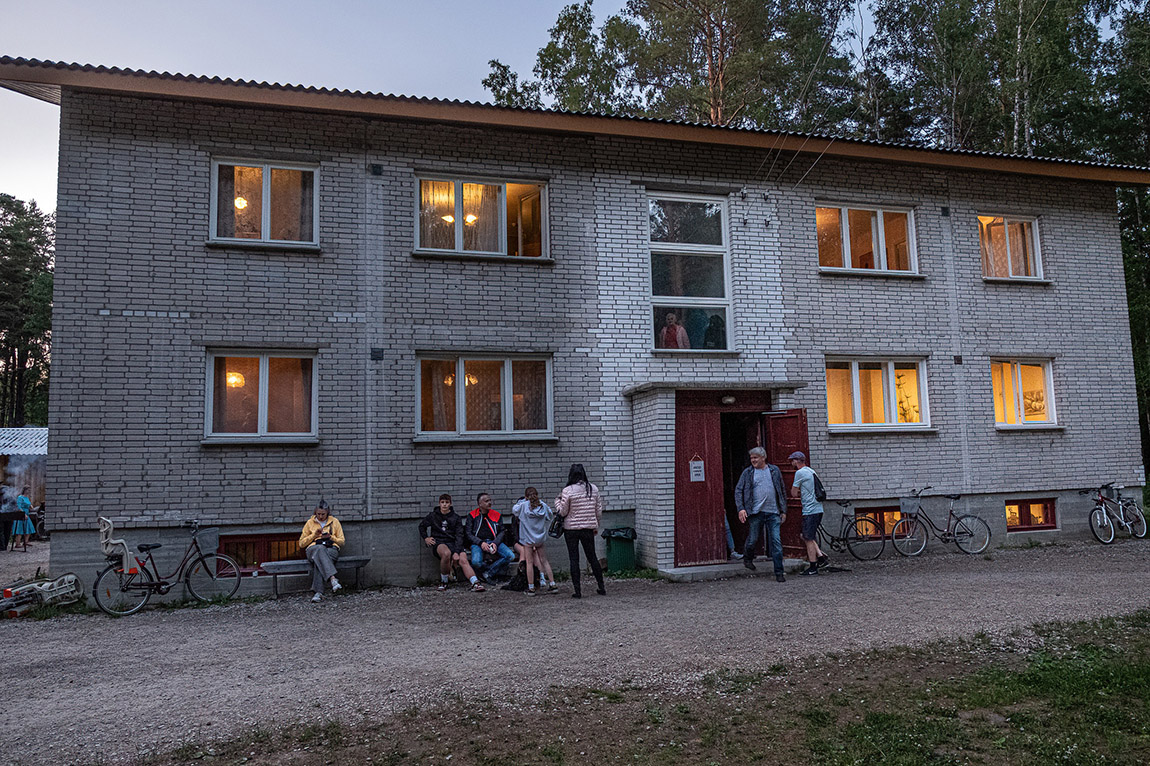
pixel 620 549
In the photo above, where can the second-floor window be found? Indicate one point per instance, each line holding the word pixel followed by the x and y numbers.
pixel 1022 392
pixel 868 393
pixel 480 217
pixel 1009 247
pixel 865 238
pixel 689 292
pixel 264 202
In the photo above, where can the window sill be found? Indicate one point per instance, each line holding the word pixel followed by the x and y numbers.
pixel 1029 530
pixel 259 441
pixel 860 431
pixel 484 438
pixel 1035 427
pixel 831 271
pixel 1016 281
pixel 722 353
pixel 243 244
pixel 436 255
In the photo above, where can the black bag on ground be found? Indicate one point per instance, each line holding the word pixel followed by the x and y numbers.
pixel 519 581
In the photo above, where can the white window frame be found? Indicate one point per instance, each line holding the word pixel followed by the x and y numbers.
pixel 544 252
pixel 1035 246
pixel 261 434
pixel 266 207
pixel 682 248
pixel 507 415
pixel 1019 405
pixel 878 237
pixel 890 397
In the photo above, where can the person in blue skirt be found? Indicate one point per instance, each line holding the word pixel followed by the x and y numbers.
pixel 23 528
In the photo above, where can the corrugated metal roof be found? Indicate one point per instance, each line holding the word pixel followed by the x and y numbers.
pixel 47 86
pixel 23 441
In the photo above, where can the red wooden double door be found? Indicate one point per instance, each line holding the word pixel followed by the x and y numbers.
pixel 712 438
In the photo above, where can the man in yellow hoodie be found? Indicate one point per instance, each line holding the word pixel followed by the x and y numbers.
pixel 322 539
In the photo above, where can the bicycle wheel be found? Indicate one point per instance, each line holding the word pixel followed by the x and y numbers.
pixel 213 576
pixel 119 594
pixel 971 534
pixel 1133 516
pixel 1101 526
pixel 909 536
pixel 865 539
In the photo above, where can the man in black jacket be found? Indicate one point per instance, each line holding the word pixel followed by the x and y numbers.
pixel 445 534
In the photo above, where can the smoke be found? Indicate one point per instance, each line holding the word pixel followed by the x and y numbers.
pixel 15 475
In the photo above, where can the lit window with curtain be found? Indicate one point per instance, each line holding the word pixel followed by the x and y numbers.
pixel 1026 515
pixel 473 217
pixel 1023 393
pixel 482 396
pixel 865 239
pixel 260 202
pixel 1009 247
pixel 876 393
pixel 255 395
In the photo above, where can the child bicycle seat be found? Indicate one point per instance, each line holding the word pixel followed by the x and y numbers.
pixel 114 548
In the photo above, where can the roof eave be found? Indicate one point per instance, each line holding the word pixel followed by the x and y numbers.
pixel 46 82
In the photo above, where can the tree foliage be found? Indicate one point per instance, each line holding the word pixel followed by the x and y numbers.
pixel 26 247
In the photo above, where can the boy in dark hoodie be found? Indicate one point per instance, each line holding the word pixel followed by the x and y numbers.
pixel 486 536
pixel 445 534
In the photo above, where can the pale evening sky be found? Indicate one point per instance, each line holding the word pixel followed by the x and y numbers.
pixel 436 48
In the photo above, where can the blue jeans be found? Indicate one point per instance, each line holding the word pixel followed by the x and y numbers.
pixel 730 537
pixel 506 556
pixel 755 524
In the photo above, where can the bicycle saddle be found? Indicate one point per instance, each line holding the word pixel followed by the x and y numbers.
pixel 953 497
pixel 145 547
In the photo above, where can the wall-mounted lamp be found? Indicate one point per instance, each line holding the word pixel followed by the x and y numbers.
pixel 728 400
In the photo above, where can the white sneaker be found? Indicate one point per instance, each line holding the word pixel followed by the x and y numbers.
pixel 316 598
pixel 335 585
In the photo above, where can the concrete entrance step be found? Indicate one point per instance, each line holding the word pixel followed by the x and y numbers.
pixel 729 569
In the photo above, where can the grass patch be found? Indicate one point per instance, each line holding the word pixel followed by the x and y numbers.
pixel 49 611
pixel 645 573
pixel 1075 693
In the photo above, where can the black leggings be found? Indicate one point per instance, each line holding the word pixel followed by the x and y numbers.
pixel 587 538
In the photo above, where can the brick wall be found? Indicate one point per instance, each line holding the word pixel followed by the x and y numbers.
pixel 139 297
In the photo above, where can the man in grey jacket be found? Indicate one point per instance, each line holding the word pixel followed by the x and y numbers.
pixel 761 500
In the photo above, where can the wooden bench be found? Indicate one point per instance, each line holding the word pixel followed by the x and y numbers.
pixel 279 569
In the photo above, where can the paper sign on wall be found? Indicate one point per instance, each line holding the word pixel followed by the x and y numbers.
pixel 697 473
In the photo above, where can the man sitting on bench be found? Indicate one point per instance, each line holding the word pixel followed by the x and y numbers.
pixel 443 532
pixel 485 534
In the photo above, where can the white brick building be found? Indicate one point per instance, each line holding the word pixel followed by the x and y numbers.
pixel 265 294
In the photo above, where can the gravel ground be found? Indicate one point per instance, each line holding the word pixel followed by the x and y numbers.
pixel 108 690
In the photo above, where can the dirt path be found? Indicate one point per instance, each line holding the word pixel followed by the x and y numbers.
pixel 89 681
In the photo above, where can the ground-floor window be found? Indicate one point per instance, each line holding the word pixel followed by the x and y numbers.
pixel 1022 392
pixel 477 395
pixel 876 393
pixel 261 395
pixel 250 551
pixel 1023 515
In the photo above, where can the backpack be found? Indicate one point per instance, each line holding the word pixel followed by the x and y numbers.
pixel 820 491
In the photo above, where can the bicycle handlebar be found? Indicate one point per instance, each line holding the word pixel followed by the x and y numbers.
pixel 919 492
pixel 844 503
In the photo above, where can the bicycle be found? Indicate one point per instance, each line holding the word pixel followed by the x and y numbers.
pixel 125 587
pixel 1125 511
pixel 860 535
pixel 970 533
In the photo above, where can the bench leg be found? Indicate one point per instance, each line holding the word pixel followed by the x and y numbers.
pixel 275 586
